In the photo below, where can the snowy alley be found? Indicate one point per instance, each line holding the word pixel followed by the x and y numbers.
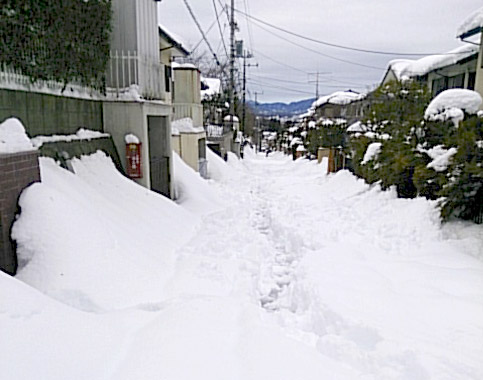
pixel 270 270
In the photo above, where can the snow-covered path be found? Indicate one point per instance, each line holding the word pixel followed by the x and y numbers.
pixel 273 270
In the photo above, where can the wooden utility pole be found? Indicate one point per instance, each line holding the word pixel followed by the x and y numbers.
pixel 245 65
pixel 232 63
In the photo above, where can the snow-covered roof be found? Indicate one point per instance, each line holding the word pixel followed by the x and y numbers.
pixel 13 137
pixel 339 97
pixel 173 39
pixel 471 25
pixel 214 87
pixel 412 68
pixel 176 65
pixel 184 125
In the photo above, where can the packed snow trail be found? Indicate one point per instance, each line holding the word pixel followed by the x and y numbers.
pixel 363 277
pixel 271 270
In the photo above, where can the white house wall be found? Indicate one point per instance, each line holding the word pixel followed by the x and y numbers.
pixel 479 71
pixel 121 118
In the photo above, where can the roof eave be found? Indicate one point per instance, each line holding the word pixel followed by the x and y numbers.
pixel 470 33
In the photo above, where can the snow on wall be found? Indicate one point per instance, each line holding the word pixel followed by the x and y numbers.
pixel 184 125
pixel 475 20
pixel 13 138
pixel 81 134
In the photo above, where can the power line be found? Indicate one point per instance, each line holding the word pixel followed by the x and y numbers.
pixel 280 87
pixel 201 31
pixel 320 53
pixel 326 43
pixel 219 26
pixel 280 63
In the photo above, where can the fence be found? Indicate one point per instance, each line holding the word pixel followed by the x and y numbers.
pixel 127 69
pixel 14 79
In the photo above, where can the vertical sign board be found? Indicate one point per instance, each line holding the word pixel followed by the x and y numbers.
pixel 133 160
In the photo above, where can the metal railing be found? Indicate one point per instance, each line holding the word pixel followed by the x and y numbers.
pixel 127 69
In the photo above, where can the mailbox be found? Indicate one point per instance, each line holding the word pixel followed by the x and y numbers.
pixel 133 160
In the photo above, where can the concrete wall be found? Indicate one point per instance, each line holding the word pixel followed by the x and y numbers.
pixel 17 171
pixel 121 118
pixel 187 95
pixel 44 114
pixel 479 71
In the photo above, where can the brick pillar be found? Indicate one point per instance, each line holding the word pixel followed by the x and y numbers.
pixel 17 171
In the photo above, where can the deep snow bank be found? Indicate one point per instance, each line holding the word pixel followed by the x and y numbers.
pixel 95 239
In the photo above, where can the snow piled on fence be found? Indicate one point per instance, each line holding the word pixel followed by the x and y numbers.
pixel 293 274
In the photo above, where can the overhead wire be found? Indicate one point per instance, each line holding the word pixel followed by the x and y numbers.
pixel 339 46
pixel 202 32
pixel 219 27
pixel 320 53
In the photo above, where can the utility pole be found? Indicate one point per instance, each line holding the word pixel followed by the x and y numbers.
pixel 259 128
pixel 245 65
pixel 232 63
pixel 316 81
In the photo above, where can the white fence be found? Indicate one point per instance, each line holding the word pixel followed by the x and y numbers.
pixel 13 79
pixel 127 69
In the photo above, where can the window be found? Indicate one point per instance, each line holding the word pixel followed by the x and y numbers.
pixel 439 85
pixel 167 78
pixel 458 81
pixel 471 80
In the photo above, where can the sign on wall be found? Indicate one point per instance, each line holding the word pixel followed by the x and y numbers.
pixel 133 160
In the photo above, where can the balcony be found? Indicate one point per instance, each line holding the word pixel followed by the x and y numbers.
pixel 127 71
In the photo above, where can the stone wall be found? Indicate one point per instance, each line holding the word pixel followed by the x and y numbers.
pixel 17 171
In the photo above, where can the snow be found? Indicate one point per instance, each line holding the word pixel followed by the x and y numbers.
pixel 214 87
pixel 474 21
pixel 271 269
pixel 372 151
pixel 229 117
pixel 339 98
pixel 411 68
pixel 357 127
pixel 13 138
pixel 301 148
pixel 441 157
pixel 131 139
pixel 176 65
pixel 450 104
pixel 185 125
pixel 71 259
pixel 81 134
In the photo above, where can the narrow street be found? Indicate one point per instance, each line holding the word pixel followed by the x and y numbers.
pixel 363 278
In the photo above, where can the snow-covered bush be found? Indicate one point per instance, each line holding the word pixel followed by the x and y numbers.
pixel 394 122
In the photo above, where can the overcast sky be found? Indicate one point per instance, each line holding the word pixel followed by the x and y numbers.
pixel 421 26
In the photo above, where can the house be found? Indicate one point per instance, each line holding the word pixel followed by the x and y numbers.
pixel 347 105
pixel 458 68
pixel 189 140
pixel 454 69
pixel 139 87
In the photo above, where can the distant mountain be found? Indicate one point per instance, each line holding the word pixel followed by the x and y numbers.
pixel 281 109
